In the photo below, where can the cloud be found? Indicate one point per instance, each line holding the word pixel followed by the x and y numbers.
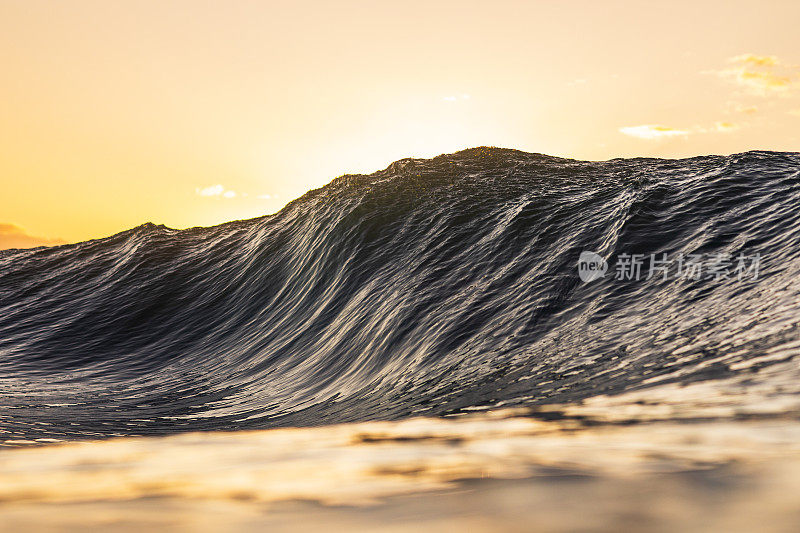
pixel 756 60
pixel 215 190
pixel 725 127
pixel 12 236
pixel 757 74
pixel 653 131
pixel 748 110
pixel 762 82
pixel 219 191
pixel 795 112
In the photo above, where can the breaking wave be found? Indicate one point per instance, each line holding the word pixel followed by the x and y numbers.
pixel 433 287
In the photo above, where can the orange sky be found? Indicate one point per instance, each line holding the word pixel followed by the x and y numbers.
pixel 188 113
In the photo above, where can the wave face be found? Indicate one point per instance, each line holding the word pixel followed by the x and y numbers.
pixel 433 287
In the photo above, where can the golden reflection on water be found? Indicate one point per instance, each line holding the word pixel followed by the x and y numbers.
pixel 376 475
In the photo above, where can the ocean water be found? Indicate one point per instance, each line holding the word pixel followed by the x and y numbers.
pixel 444 290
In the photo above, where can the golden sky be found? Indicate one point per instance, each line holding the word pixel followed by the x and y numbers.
pixel 195 112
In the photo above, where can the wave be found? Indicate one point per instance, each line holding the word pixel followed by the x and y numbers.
pixel 433 287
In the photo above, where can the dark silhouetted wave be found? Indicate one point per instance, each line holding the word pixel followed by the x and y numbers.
pixel 433 287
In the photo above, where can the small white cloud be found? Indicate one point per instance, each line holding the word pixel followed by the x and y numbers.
pixel 579 81
pixel 653 131
pixel 215 191
pixel 264 197
pixel 756 60
pixel 763 82
pixel 726 127
pixel 757 74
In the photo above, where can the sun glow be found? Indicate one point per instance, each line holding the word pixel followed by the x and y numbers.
pixel 185 114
